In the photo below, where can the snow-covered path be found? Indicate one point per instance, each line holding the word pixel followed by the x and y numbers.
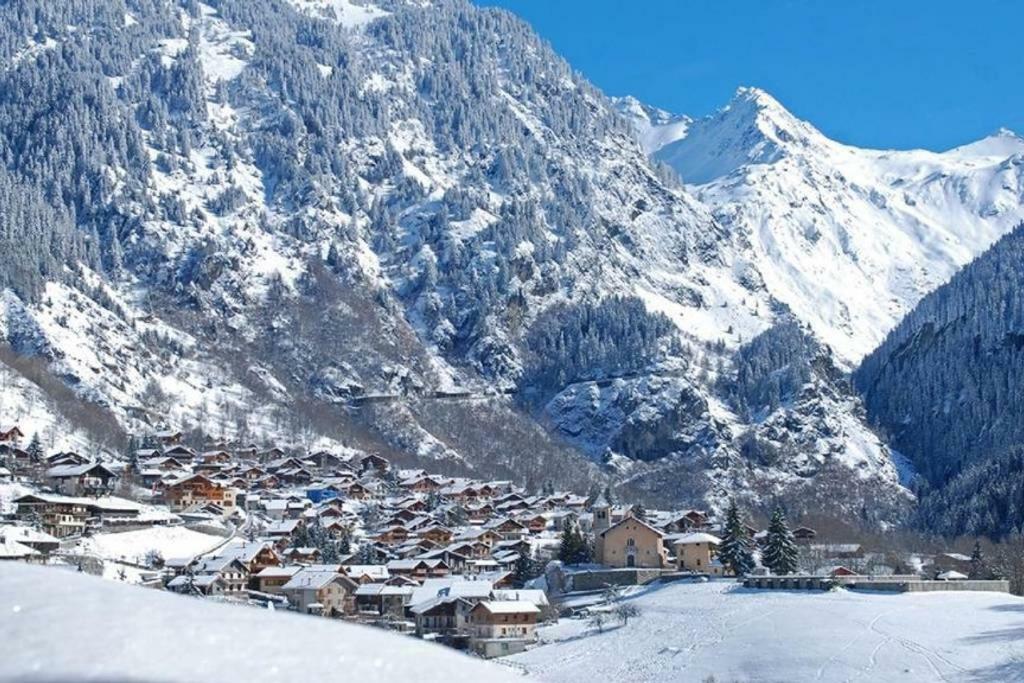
pixel 688 632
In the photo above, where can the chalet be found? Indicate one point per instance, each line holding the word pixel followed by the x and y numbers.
pixel 41 542
pixel 90 479
pixel 382 599
pixel 16 458
pixel 424 484
pixel 168 437
pixel 502 627
pixel 321 591
pixel 215 457
pixel 233 574
pixel 326 461
pixel 374 462
pixel 804 534
pixel 181 453
pixel 246 452
pixel 283 529
pixel 202 584
pixel 255 556
pixel 271 454
pixel 488 537
pixel 197 488
pixel 456 561
pixel 66 458
pixel 12 435
pixel 687 520
pixel 436 533
pixel 302 554
pixel 272 579
pixel 419 568
pixel 13 550
pixel 366 573
pixel 58 516
pixel 508 528
pixel 535 524
pixel 392 535
pixel 358 491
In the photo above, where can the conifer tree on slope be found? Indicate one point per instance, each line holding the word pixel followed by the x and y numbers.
pixel 780 553
pixel 979 569
pixel 734 552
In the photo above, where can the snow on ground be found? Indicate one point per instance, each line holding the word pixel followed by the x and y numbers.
pixel 348 13
pixel 9 492
pixel 62 625
pixel 132 546
pixel 688 632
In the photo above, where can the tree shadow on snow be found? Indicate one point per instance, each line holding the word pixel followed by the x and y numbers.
pixel 999 673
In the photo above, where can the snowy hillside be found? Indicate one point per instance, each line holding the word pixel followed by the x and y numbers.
pixel 850 239
pixel 110 631
pixel 276 233
pixel 694 631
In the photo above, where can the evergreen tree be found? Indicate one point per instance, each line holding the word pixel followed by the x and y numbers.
pixel 526 568
pixel 780 554
pixel 640 512
pixel 569 546
pixel 35 449
pixel 574 547
pixel 979 569
pixel 734 551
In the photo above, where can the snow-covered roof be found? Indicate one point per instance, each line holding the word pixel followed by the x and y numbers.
pixel 696 537
pixel 11 549
pixel 312 579
pixel 537 597
pixel 510 607
pixel 951 576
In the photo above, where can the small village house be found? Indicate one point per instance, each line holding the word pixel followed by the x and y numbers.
pixel 502 627
pixel 321 591
pixel 695 552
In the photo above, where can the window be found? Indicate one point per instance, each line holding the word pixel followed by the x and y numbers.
pixel 630 542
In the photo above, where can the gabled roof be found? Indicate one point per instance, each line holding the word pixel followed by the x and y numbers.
pixel 629 518
pixel 315 579
pixel 65 471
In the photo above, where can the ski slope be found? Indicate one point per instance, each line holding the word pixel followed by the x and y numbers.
pixel 62 625
pixel 688 632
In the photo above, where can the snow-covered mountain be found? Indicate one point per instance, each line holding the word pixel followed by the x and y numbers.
pixel 850 239
pixel 655 127
pixel 313 222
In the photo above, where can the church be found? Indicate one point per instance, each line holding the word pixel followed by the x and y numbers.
pixel 631 542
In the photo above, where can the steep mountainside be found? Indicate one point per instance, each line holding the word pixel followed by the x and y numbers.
pixel 400 226
pixel 948 381
pixel 850 239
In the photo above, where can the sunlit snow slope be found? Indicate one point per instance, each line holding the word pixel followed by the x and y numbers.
pixel 62 625
pixel 849 238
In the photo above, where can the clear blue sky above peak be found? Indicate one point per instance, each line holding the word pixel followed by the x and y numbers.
pixel 887 74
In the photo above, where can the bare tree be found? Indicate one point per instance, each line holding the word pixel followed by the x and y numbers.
pixel 624 611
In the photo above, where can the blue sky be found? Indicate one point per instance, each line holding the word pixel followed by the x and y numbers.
pixel 892 74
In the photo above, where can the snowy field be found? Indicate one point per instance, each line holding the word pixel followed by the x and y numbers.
pixel 132 546
pixel 689 632
pixel 59 625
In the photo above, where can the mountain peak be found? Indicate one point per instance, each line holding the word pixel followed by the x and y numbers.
pixel 655 128
pixel 754 128
pixel 1001 144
